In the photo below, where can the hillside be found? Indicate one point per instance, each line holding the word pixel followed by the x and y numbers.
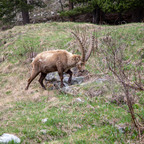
pixel 98 118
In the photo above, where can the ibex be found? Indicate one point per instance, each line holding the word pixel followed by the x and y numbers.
pixel 59 60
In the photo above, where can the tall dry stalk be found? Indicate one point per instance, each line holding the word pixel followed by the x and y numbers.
pixel 129 78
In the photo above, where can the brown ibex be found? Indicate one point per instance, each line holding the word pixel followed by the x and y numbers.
pixel 59 60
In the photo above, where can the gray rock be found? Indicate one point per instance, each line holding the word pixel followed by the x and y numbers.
pixel 52 13
pixel 122 127
pixel 55 80
pixel 73 90
pixel 75 80
pixel 6 138
pixel 44 120
pixel 52 77
pixel 79 100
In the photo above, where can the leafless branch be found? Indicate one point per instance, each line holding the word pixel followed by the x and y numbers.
pixel 114 55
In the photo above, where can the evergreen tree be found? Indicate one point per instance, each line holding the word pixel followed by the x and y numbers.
pixel 106 6
pixel 9 9
pixel 122 6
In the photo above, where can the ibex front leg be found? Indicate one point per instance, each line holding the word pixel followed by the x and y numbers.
pixel 60 72
pixel 42 77
pixel 70 73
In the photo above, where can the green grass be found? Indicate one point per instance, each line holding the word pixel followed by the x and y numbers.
pixel 68 121
pixel 41 37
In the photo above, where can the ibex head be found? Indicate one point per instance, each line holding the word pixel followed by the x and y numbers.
pixel 85 56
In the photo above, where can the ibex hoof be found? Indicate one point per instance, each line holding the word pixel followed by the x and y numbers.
pixel 26 88
pixel 62 85
pixel 69 81
pixel 44 88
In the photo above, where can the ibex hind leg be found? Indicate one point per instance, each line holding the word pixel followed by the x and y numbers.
pixel 61 78
pixel 33 76
pixel 42 77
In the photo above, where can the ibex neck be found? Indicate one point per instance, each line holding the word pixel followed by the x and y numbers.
pixel 71 61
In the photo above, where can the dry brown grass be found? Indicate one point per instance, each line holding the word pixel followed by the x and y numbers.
pixel 13 81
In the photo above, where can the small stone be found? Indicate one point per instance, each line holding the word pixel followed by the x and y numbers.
pixel 44 120
pixel 7 138
pixel 52 13
pixel 43 131
pixel 90 106
pixel 121 127
pixel 79 100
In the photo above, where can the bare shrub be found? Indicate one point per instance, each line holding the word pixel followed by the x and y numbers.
pixel 27 48
pixel 128 71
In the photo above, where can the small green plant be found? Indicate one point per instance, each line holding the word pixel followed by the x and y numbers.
pixel 27 46
pixel 8 92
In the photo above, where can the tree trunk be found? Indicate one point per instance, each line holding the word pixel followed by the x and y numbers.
pixel 61 5
pixel 70 8
pixel 62 9
pixel 25 13
pixel 25 16
pixel 102 17
pixel 137 15
pixel 119 18
pixel 96 15
pixel 70 5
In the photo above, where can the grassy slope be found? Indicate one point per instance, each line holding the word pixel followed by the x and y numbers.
pixel 68 121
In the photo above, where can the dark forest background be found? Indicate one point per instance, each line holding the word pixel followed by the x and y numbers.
pixel 95 11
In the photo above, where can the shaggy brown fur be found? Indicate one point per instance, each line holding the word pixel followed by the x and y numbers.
pixel 54 60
